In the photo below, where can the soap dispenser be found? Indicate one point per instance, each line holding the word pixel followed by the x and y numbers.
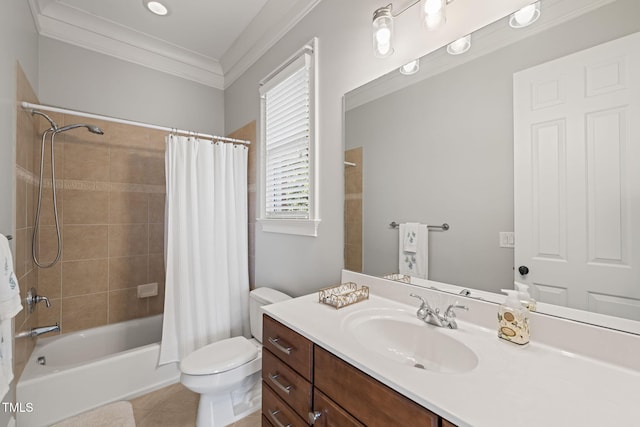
pixel 513 319
pixel 525 298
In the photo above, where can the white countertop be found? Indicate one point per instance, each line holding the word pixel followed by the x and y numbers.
pixel 535 385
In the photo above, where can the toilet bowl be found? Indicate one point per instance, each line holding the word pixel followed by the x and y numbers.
pixel 227 373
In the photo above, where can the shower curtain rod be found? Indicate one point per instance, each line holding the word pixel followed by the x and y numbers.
pixel 29 106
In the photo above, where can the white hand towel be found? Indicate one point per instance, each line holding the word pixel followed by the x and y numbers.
pixel 416 263
pixel 410 242
pixel 10 303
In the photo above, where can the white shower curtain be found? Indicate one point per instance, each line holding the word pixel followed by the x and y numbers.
pixel 206 247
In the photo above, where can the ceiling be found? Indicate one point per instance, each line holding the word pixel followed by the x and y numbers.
pixel 208 41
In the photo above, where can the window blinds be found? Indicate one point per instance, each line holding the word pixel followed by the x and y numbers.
pixel 287 127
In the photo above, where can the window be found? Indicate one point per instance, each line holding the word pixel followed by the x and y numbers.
pixel 288 202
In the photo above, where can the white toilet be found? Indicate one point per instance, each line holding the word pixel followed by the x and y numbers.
pixel 227 373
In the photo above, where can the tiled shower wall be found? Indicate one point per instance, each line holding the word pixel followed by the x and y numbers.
pixel 353 210
pixel 111 192
pixel 110 198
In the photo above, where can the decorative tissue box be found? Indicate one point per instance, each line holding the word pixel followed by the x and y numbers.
pixel 343 295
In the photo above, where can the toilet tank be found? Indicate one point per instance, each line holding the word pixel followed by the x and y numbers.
pixel 257 298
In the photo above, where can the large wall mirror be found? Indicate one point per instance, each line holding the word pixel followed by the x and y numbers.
pixel 533 131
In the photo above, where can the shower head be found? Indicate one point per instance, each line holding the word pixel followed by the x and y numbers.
pixel 91 128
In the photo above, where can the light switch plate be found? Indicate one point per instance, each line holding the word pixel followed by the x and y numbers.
pixel 507 239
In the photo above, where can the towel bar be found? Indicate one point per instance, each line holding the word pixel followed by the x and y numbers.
pixel 443 227
pixel 9 237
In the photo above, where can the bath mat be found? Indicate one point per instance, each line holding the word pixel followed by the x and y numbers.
pixel 118 414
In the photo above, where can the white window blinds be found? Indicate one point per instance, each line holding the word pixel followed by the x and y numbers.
pixel 287 132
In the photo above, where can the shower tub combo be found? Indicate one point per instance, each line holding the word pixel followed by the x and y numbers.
pixel 79 371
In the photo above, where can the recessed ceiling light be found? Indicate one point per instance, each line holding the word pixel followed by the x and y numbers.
pixel 525 16
pixel 156 7
pixel 459 46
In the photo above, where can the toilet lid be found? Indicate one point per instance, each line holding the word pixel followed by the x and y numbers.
pixel 219 357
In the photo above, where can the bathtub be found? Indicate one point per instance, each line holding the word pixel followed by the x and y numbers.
pixel 90 368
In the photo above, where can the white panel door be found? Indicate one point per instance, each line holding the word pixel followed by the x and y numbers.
pixel 577 178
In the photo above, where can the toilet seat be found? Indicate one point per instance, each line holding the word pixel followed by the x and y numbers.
pixel 220 356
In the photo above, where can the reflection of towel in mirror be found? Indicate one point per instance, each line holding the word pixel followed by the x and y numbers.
pixel 10 305
pixel 415 263
pixel 410 240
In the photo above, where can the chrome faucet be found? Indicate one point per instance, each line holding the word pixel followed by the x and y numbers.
pixel 34 332
pixel 33 298
pixel 433 317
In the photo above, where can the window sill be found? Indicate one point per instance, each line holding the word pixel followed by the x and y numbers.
pixel 300 227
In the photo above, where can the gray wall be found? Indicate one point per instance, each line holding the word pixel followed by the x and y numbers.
pixel 441 150
pixel 300 265
pixel 80 79
pixel 18 42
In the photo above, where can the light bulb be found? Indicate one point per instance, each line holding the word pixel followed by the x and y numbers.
pixel 382 27
pixel 433 6
pixel 433 13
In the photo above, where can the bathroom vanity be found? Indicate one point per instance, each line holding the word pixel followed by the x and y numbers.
pixel 306 384
pixel 374 363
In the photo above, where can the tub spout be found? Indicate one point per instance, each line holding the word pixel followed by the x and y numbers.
pixel 34 332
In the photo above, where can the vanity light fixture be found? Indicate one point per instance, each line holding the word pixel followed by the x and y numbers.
pixel 156 7
pixel 459 46
pixel 525 16
pixel 383 32
pixel 432 14
pixel 410 67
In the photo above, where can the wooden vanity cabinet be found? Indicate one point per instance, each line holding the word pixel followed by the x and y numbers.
pixel 301 379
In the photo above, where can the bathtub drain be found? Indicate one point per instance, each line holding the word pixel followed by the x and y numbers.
pixel 42 360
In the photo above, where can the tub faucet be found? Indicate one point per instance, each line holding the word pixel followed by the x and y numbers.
pixel 34 332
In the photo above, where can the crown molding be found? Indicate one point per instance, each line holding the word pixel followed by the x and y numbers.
pixel 67 24
pixel 261 35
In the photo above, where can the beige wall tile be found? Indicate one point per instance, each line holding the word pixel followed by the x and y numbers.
pixel 58 153
pixel 128 165
pixel 47 244
pixel 353 234
pixel 21 203
pixel 156 268
pixel 128 272
pixel 156 208
pixel 125 305
pixel 21 252
pixel 353 210
pixel 353 257
pixel 47 214
pixel 128 239
pixel 84 277
pixel 86 207
pixel 156 238
pixel 84 242
pixel 86 161
pixel 84 312
pixel 128 208
pixel 154 169
pixel 50 281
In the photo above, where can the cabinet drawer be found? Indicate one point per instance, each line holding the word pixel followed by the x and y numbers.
pixel 277 412
pixel 330 414
pixel 286 383
pixel 446 423
pixel 371 402
pixel 289 346
pixel 265 422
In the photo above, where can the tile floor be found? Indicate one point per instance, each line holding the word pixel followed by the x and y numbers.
pixel 175 406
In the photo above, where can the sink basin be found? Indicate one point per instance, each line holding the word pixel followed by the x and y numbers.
pixel 402 338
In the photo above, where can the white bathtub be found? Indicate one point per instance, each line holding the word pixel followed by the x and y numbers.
pixel 90 368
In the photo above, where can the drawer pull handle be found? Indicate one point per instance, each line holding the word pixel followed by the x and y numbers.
pixel 274 379
pixel 276 344
pixel 313 417
pixel 274 418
